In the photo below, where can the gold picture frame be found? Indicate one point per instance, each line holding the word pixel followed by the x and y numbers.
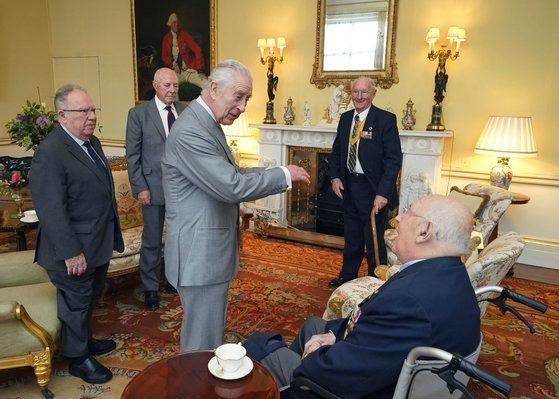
pixel 150 28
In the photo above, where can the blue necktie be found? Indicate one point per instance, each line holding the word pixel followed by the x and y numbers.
pixel 93 154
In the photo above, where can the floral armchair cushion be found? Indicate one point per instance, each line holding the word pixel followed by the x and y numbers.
pixel 499 201
pixel 129 209
pixel 348 295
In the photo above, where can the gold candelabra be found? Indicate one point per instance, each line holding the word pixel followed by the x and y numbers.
pixel 270 59
pixel 455 36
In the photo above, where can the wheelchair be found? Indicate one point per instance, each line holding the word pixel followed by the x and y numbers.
pixel 443 375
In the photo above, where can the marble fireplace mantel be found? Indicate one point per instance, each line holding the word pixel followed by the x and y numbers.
pixel 421 167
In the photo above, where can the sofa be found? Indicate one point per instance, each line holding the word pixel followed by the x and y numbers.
pixel 29 327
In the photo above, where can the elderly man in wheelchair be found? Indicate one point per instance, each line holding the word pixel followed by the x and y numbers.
pixel 429 303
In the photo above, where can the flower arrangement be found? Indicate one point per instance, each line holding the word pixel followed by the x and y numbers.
pixel 32 125
pixel 17 178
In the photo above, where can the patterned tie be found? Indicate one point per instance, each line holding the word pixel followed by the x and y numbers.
pixel 170 117
pixel 93 154
pixel 352 160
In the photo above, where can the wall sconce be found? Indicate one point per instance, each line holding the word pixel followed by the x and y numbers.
pixel 455 36
pixel 270 59
pixel 505 137
pixel 237 131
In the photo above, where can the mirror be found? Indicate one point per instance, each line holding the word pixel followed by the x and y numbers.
pixel 355 38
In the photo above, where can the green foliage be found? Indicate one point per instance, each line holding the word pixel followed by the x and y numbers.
pixel 32 125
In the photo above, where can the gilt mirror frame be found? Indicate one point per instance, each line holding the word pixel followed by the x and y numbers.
pixel 385 78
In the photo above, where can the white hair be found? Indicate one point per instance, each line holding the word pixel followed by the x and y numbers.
pixel 172 18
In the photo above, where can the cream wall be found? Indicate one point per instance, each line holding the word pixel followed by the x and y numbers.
pixel 507 66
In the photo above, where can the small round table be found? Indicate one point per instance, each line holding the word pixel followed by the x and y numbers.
pixel 186 375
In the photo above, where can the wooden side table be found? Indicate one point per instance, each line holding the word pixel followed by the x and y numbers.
pixel 186 375
pixel 13 225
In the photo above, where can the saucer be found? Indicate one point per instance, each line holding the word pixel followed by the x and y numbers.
pixel 244 370
pixel 25 219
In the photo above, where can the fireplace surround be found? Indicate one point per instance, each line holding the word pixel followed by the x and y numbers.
pixel 307 213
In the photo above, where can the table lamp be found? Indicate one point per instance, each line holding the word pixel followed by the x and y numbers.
pixel 506 137
pixel 238 130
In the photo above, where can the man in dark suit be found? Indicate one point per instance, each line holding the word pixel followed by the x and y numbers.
pixel 361 356
pixel 364 165
pixel 146 132
pixel 73 194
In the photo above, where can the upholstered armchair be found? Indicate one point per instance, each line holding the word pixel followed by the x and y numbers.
pixel 130 215
pixel 487 268
pixel 487 203
pixel 29 326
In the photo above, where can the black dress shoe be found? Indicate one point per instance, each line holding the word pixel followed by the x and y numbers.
pixel 100 346
pixel 170 289
pixel 151 300
pixel 335 283
pixel 90 370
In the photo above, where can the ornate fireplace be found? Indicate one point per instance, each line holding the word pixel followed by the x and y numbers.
pixel 311 212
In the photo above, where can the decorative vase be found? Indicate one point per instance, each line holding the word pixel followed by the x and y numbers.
pixel 18 199
pixel 289 115
pixel 409 116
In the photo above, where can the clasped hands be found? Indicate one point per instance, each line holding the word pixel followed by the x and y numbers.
pixel 316 341
pixel 76 265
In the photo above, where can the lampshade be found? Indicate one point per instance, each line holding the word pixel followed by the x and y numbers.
pixel 238 129
pixel 506 137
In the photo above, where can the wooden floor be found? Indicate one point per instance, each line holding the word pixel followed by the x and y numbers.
pixel 535 273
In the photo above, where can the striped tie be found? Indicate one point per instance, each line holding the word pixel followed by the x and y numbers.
pixel 352 161
pixel 170 117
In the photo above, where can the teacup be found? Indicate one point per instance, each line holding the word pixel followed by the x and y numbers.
pixel 230 356
pixel 30 215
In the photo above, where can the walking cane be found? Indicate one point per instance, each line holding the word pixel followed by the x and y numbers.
pixel 380 270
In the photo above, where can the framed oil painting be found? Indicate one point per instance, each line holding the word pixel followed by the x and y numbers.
pixel 179 34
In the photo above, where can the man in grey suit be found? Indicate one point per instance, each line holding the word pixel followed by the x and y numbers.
pixel 73 193
pixel 203 188
pixel 146 132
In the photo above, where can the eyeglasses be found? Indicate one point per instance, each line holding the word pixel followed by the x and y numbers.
pixel 412 213
pixel 85 111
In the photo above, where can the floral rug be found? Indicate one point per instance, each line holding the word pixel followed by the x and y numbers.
pixel 279 285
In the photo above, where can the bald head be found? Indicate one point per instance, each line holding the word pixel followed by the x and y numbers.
pixel 433 226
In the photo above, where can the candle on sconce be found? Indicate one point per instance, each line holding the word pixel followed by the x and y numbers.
pixel 452 35
pixel 461 38
pixel 271 44
pixel 281 45
pixel 262 46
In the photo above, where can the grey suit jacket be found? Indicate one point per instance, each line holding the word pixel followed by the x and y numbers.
pixel 145 144
pixel 75 203
pixel 203 188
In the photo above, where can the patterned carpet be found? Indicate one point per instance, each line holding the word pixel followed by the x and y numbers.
pixel 279 285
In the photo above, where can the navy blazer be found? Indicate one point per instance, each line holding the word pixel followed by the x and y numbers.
pixel 75 203
pixel 431 303
pixel 380 156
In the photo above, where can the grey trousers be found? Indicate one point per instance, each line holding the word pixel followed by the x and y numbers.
pixel 283 361
pixel 150 254
pixel 203 323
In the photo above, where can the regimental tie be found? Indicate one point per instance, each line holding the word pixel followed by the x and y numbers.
pixel 353 141
pixel 170 117
pixel 96 158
